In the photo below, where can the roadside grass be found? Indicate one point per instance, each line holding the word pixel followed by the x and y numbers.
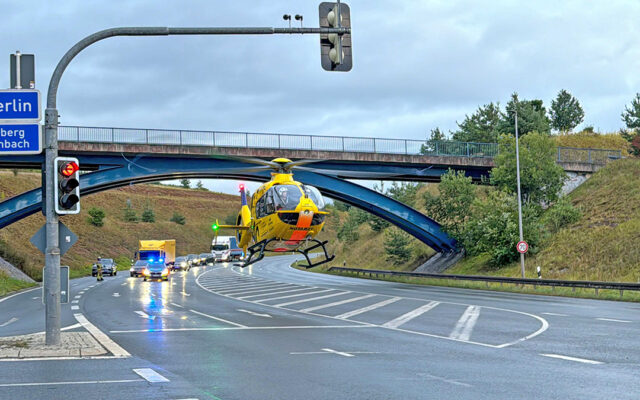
pixel 8 284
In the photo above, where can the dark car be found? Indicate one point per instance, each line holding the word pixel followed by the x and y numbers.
pixel 192 259
pixel 138 267
pixel 181 263
pixel 206 259
pixel 156 270
pixel 108 267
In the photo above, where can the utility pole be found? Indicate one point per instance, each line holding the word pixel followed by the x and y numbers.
pixel 52 253
pixel 519 195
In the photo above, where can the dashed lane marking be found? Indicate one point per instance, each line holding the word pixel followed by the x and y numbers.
pixel 403 319
pixel 150 375
pixel 465 324
pixel 145 315
pixel 368 308
pixel 177 305
pixel 614 320
pixel 75 307
pixel 556 314
pixel 9 322
pixel 576 359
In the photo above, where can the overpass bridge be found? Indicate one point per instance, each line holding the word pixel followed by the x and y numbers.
pixel 117 157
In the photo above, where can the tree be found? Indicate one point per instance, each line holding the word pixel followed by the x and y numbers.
pixel 493 228
pixel 148 215
pixel 130 214
pixel 431 145
pixel 96 216
pixel 566 112
pixel 540 177
pixel 396 246
pixel 200 186
pixel 631 115
pixel 532 117
pixel 404 192
pixel 178 218
pixel 185 183
pixel 482 126
pixel 452 207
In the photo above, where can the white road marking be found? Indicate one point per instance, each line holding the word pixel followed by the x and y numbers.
pixel 439 378
pixel 613 320
pixel 249 328
pixel 253 286
pixel 186 294
pixel 250 312
pixel 556 314
pixel 35 298
pixel 234 285
pixel 68 383
pixel 75 307
pixel 145 315
pixel 337 303
pixel 465 324
pixel 116 294
pixel 311 299
pixel 368 308
pixel 332 352
pixel 77 297
pixel 342 353
pixel 124 283
pixel 394 323
pixel 217 319
pixel 75 301
pixel 150 375
pixel 177 305
pixel 293 295
pixel 260 288
pixel 74 326
pixel 103 339
pixel 271 292
pixel 9 322
pixel 582 360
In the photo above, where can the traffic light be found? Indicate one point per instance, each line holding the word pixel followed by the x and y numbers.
pixel 67 185
pixel 335 50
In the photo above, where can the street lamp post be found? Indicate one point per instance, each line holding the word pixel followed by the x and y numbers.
pixel 519 194
pixel 51 287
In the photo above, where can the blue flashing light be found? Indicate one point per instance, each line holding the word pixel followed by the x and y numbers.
pixel 151 260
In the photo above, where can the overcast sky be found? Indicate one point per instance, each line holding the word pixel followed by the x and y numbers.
pixel 417 64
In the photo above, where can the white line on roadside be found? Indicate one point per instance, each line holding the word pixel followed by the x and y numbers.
pixel 341 353
pixel 467 321
pixel 368 308
pixel 19 293
pixel 311 299
pixel 394 323
pixel 9 322
pixel 254 313
pixel 293 295
pixel 250 328
pixel 556 314
pixel 177 305
pixel 581 360
pixel 614 320
pixel 218 319
pixel 150 375
pixel 103 339
pixel 68 383
pixel 337 303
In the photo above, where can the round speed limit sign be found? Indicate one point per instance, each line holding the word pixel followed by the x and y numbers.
pixel 522 247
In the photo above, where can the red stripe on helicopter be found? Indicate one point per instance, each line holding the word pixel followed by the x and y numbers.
pixel 304 221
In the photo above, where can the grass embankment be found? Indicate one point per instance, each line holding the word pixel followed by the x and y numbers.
pixel 116 239
pixel 8 284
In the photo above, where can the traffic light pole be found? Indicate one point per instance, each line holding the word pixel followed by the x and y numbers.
pixel 52 254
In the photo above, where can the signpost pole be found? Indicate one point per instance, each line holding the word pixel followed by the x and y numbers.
pixel 519 195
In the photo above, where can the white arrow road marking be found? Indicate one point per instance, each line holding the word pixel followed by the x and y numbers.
pixel 145 315
pixel 582 360
pixel 465 324
pixel 116 295
pixel 410 315
pixel 250 312
pixel 11 321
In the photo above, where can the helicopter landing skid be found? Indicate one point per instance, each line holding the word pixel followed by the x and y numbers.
pixel 260 247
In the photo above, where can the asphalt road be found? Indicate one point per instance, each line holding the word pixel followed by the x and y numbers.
pixel 272 332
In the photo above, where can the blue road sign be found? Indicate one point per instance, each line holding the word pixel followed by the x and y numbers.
pixel 20 105
pixel 20 139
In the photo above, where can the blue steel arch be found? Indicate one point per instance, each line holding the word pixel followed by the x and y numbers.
pixel 117 171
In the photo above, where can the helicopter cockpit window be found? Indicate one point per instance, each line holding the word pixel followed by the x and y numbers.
pixel 286 197
pixel 314 195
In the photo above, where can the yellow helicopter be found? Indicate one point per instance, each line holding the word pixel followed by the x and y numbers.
pixel 282 216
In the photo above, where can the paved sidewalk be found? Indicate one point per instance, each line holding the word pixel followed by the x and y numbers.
pixel 72 344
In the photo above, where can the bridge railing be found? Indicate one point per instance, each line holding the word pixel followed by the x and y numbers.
pixel 309 142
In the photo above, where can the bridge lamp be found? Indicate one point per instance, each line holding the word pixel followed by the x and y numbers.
pixel 67 185
pixel 335 49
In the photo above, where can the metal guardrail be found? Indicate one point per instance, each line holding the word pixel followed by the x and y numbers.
pixel 597 285
pixel 310 142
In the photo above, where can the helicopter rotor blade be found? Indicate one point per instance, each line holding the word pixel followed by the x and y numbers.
pixel 293 164
pixel 251 160
pixel 353 174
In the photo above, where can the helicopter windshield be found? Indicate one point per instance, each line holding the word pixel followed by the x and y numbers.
pixel 286 197
pixel 315 196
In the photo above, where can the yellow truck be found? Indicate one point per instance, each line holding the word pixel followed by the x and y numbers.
pixel 157 251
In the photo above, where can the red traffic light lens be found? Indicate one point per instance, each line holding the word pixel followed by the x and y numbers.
pixel 69 168
pixel 241 186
